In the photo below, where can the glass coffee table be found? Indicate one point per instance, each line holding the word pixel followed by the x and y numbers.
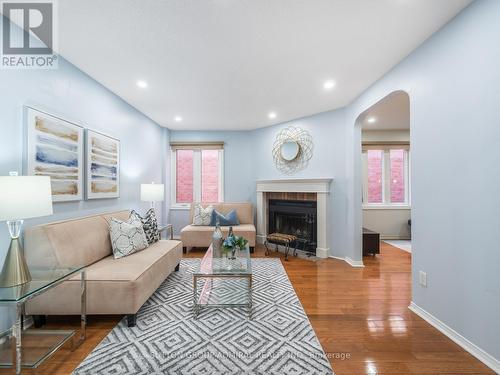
pixel 29 348
pixel 227 283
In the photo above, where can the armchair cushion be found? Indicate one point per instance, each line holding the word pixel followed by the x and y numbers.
pixel 202 216
pixel 229 219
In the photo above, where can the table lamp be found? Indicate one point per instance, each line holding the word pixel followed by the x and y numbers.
pixel 152 193
pixel 21 197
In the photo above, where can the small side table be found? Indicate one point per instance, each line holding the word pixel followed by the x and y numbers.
pixel 371 242
pixel 47 341
pixel 167 228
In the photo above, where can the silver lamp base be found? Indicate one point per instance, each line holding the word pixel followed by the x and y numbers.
pixel 15 270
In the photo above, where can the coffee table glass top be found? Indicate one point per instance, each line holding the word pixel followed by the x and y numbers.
pixel 242 265
pixel 41 278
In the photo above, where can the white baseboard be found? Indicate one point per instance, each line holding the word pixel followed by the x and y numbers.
pixel 354 263
pixel 334 257
pixel 457 338
pixel 322 253
pixel 349 261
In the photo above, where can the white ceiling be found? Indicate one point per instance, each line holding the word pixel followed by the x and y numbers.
pixel 391 113
pixel 225 64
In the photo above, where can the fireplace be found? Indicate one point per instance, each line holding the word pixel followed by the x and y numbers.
pixel 295 217
pixel 313 197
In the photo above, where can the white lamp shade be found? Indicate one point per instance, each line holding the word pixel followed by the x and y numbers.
pixel 152 192
pixel 22 197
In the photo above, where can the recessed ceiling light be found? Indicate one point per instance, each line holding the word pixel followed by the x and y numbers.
pixel 371 120
pixel 328 85
pixel 178 118
pixel 272 115
pixel 142 84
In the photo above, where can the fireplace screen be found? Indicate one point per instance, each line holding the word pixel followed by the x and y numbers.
pixel 294 217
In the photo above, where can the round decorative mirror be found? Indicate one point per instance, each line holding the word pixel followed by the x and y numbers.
pixel 290 150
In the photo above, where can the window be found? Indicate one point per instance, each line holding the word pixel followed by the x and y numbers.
pixel 397 179
pixel 184 173
pixel 197 174
pixel 210 175
pixel 386 176
pixel 375 176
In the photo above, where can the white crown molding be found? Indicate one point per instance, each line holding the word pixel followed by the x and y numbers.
pixel 457 338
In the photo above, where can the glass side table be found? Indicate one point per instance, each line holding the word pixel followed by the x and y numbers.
pixel 39 344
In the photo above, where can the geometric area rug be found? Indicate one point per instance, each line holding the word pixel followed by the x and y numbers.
pixel 168 340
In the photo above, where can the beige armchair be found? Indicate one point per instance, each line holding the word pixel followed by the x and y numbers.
pixel 201 236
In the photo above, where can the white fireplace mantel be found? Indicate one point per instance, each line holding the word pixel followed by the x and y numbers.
pixel 320 186
pixel 302 185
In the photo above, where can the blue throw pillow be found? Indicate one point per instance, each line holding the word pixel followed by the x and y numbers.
pixel 224 220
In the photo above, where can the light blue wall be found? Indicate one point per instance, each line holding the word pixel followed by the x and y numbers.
pixel 453 81
pixel 72 95
pixel 239 180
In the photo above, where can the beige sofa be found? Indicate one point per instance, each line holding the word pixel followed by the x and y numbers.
pixel 201 236
pixel 114 286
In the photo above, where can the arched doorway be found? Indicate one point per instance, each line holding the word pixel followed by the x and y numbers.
pixel 383 174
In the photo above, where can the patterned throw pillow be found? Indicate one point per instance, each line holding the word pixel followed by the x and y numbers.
pixel 150 225
pixel 202 216
pixel 231 218
pixel 127 237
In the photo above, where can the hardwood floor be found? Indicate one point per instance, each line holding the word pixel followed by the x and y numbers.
pixel 360 316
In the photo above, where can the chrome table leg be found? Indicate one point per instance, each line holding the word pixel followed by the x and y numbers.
pixel 83 301
pixel 16 343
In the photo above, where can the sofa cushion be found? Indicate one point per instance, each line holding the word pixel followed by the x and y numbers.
pixel 120 215
pixel 195 236
pixel 70 243
pixel 149 224
pixel 79 242
pixel 127 237
pixel 131 267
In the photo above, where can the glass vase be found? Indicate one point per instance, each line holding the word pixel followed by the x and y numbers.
pixel 217 240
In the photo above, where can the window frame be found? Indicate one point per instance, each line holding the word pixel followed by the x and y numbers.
pixel 386 178
pixel 197 173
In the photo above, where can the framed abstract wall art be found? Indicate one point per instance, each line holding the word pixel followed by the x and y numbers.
pixel 103 166
pixel 54 147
